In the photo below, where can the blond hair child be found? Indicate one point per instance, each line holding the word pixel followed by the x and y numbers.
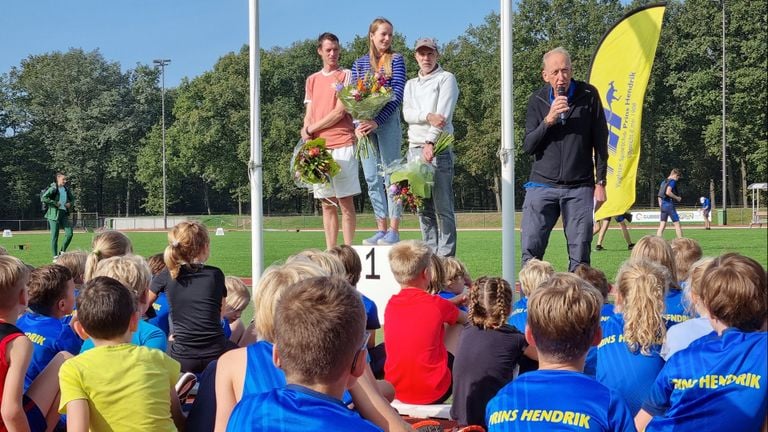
pixel 414 329
pixel 628 355
pixel 317 370
pixel 686 252
pixel 681 335
pixel 195 293
pixel 238 298
pixel 133 272
pixel 657 250
pixel 36 409
pixel 531 276
pixel 563 322
pixel 106 245
pixel 140 395
pixel 719 381
pixel 455 281
pixel 75 262
pixel 488 353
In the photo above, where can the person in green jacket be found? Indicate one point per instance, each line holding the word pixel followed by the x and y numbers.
pixel 59 202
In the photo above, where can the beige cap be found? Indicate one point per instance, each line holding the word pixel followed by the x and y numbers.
pixel 425 42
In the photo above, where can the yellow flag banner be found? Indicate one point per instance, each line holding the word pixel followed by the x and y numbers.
pixel 620 70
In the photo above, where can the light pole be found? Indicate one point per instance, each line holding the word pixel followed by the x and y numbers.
pixel 724 220
pixel 163 63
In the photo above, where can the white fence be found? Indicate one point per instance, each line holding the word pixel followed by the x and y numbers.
pixel 149 223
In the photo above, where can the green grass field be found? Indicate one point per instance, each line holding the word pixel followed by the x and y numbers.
pixel 479 250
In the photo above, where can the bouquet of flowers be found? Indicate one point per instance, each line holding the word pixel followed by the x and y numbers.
pixel 312 163
pixel 402 194
pixel 363 100
pixel 410 183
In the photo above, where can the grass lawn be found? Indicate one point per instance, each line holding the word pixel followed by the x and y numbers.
pixel 479 250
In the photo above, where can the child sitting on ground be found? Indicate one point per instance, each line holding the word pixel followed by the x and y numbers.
pixel 657 250
pixel 320 343
pixel 455 281
pixel 159 301
pixel 47 324
pixel 132 271
pixel 681 335
pixel 686 252
pixel 353 268
pixel 563 322
pixel 195 293
pixel 489 350
pixel 628 357
pixel 531 276
pixel 719 382
pixel 75 262
pixel 418 364
pixel 596 278
pixel 35 410
pixel 238 298
pixel 116 385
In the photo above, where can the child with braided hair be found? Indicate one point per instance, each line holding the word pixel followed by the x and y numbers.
pixel 489 350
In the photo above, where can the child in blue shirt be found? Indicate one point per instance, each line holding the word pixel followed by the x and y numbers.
pixel 531 276
pixel 657 250
pixel 706 208
pixel 456 281
pixel 667 197
pixel 238 298
pixel 563 322
pixel 719 382
pixel 353 267
pixel 686 251
pixel 132 271
pixel 47 324
pixel 597 279
pixel 317 369
pixel 628 357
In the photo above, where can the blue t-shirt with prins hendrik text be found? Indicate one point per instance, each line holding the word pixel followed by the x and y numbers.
pixel 718 383
pixel 557 400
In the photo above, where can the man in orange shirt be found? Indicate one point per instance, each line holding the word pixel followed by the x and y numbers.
pixel 326 118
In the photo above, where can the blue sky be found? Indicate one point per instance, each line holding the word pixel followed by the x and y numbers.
pixel 195 33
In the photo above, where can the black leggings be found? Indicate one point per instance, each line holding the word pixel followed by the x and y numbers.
pixel 197 365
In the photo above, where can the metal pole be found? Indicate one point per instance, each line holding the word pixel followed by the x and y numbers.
pixel 255 169
pixel 724 220
pixel 163 63
pixel 507 153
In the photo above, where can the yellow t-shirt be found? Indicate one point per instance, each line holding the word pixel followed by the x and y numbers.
pixel 127 387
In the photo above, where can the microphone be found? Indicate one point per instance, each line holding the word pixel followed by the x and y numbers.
pixel 561 92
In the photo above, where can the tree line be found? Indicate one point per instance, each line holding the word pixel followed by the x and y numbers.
pixel 78 112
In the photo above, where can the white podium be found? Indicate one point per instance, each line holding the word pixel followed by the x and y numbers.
pixel 377 281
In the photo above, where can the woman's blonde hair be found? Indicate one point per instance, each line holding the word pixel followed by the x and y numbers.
pixel 436 283
pixel 326 261
pixel 656 249
pixel 105 245
pixel 642 284
pixel 186 241
pixel 490 302
pixel 270 288
pixel 376 57
pixel 238 295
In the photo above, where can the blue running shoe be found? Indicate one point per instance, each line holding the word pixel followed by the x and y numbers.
pixel 390 238
pixel 375 239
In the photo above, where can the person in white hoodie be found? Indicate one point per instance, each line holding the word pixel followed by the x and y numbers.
pixel 428 104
